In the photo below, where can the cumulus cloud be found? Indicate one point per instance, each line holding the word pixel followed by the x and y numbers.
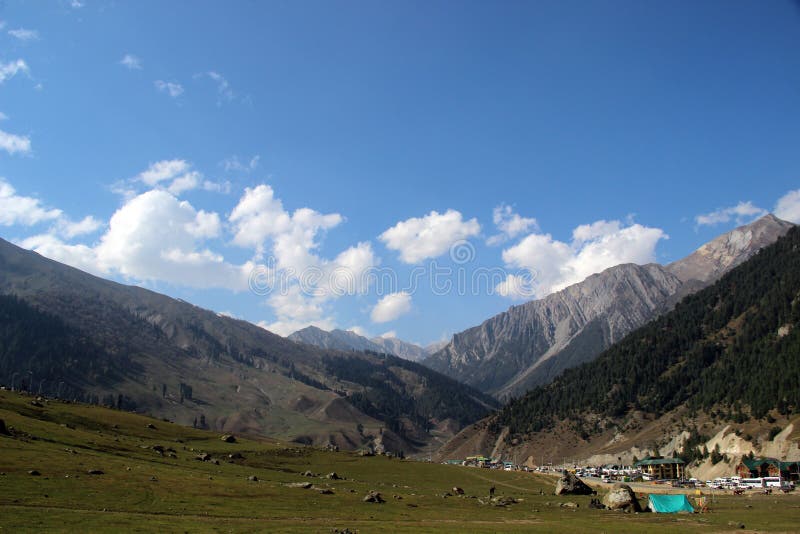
pixel 430 236
pixel 24 34
pixel 742 213
pixel 295 311
pixel 359 331
pixel 152 237
pixel 391 307
pixel 788 207
pixel 71 229
pixel 510 224
pixel 391 334
pixel 171 88
pixel 594 248
pixel 12 68
pixel 131 62
pixel 14 144
pixel 307 281
pixel 516 287
pixel 17 209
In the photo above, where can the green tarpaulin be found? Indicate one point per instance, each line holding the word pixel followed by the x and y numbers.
pixel 670 504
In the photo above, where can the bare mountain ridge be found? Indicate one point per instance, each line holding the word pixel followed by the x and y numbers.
pixel 532 343
pixel 350 341
pixel 242 378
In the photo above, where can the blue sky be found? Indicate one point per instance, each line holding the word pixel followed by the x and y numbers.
pixel 199 148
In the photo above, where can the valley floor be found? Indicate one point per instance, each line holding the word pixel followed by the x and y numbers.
pixel 142 490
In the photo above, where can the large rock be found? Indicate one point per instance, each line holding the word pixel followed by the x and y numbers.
pixel 3 429
pixel 622 497
pixel 569 484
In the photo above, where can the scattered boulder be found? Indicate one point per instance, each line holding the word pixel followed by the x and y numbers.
pixel 203 457
pixel 3 430
pixel 228 438
pixel 301 485
pixel 334 476
pixel 458 491
pixel 307 474
pixel 622 497
pixel 159 449
pixel 569 504
pixel 95 472
pixel 236 456
pixel 324 491
pixel 34 473
pixel 569 484
pixel 151 426
pixel 37 404
pixel 735 524
pixel 252 478
pixel 374 497
pixel 503 501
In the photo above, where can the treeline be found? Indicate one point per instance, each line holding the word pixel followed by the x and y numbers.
pixel 387 397
pixel 733 347
pixel 41 354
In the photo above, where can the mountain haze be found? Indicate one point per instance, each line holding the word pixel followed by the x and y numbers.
pixel 532 343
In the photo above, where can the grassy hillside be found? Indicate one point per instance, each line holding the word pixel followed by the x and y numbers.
pixel 69 334
pixel 142 490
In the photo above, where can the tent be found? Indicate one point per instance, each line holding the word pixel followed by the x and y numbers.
pixel 670 504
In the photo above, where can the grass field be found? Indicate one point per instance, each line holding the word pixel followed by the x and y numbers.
pixel 143 491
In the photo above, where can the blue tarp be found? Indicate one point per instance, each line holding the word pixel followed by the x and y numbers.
pixel 670 504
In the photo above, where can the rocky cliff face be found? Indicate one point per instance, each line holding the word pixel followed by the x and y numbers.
pixel 722 254
pixel 532 343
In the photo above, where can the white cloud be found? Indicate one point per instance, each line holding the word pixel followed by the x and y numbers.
pixel 307 281
pixel 594 248
pixel 430 236
pixel 217 187
pixel 16 209
pixel 79 256
pixel 741 213
pixel 14 143
pixel 391 307
pixel 70 229
pixel 510 224
pixel 76 4
pixel 515 287
pixel 3 116
pixel 296 311
pixel 234 164
pixel 171 88
pixel 24 34
pixel 788 207
pixel 359 331
pixel 185 182
pixel 131 61
pixel 155 237
pixel 163 170
pixel 391 334
pixel 12 68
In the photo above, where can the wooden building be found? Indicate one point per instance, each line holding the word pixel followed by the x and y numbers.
pixel 662 468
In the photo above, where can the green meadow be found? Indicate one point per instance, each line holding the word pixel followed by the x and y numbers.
pixel 152 481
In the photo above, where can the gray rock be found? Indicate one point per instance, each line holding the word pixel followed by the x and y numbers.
pixel 252 478
pixel 373 497
pixel 622 497
pixel 569 484
pixel 228 438
pixel 301 485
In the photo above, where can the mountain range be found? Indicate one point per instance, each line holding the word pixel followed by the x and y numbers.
pixel 719 373
pixel 532 343
pixel 67 333
pixel 350 341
